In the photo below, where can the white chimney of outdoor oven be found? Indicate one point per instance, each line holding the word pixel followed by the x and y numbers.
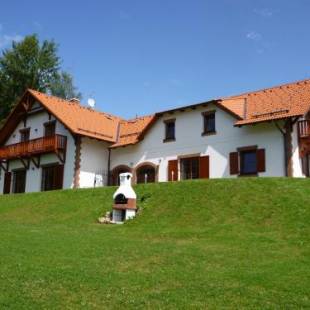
pixel 125 186
pixel 124 207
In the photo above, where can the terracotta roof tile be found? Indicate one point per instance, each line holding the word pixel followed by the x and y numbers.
pixel 131 131
pixel 80 120
pixel 269 104
pixel 264 105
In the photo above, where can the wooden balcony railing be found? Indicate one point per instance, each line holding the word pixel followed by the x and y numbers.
pixel 304 129
pixel 34 147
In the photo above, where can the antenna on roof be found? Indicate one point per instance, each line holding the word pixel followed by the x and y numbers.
pixel 91 102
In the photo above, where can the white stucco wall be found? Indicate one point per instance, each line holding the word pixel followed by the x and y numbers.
pixel 33 175
pixel 94 163
pixel 189 126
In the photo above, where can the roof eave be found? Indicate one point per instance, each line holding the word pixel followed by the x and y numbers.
pixel 254 122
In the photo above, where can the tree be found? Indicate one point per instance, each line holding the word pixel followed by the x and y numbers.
pixel 62 86
pixel 29 64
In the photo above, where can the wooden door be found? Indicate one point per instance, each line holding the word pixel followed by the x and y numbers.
pixel 52 177
pixel 19 181
pixel 173 170
pixel 146 174
pixel 204 167
pixel 7 183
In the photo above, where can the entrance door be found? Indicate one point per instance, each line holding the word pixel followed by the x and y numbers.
pixel 190 168
pixel 146 174
pixel 7 183
pixel 19 181
pixel 52 177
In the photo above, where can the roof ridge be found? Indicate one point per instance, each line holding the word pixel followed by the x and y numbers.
pixel 139 118
pixel 233 97
pixel 66 101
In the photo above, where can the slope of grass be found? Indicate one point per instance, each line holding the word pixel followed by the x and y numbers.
pixel 203 244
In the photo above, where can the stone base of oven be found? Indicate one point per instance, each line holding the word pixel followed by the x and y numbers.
pixel 121 215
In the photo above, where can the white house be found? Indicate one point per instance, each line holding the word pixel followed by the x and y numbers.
pixel 48 143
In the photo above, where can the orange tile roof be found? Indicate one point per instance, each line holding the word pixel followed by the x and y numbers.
pixel 80 120
pixel 279 102
pixel 131 131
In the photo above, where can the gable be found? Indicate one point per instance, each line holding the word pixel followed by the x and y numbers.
pixel 76 118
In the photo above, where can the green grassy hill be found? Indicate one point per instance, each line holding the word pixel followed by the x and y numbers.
pixel 204 244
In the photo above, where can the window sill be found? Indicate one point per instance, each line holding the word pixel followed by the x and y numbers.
pixel 208 133
pixel 168 140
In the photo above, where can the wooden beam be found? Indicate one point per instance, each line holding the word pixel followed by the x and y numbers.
pixel 25 162
pixel 36 161
pixel 2 165
pixel 61 156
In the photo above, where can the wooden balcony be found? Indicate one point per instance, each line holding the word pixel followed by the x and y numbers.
pixel 35 147
pixel 304 129
pixel 304 138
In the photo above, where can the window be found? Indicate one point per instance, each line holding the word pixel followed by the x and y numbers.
pixel 52 177
pixel 19 181
pixel 208 122
pixel 170 130
pixel 248 162
pixel 49 129
pixel 190 168
pixel 24 134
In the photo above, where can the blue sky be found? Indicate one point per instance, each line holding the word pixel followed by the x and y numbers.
pixel 138 57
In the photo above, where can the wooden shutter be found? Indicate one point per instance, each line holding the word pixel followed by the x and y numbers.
pixel 172 170
pixel 305 165
pixel 58 177
pixel 234 162
pixel 261 162
pixel 204 167
pixel 7 183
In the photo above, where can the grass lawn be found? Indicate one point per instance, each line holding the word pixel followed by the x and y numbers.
pixel 200 244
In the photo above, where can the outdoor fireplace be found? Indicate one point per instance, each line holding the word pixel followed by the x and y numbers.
pixel 124 207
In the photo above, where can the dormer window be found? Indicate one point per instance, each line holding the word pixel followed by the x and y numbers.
pixel 169 130
pixel 49 129
pixel 24 134
pixel 208 123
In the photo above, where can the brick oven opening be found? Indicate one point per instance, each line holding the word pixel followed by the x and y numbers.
pixel 120 199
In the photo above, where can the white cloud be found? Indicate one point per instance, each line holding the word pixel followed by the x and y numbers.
pixel 253 35
pixel 8 39
pixel 263 12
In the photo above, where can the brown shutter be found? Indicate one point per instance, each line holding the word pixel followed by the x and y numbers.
pixel 204 167
pixel 59 176
pixel 234 162
pixel 172 170
pixel 305 165
pixel 261 162
pixel 7 183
